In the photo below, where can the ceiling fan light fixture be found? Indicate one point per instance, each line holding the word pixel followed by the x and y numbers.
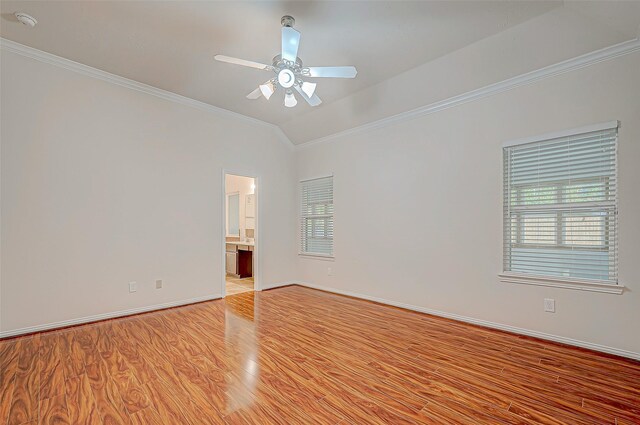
pixel 308 88
pixel 290 100
pixel 267 90
pixel 286 78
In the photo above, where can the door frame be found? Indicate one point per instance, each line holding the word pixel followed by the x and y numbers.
pixel 257 249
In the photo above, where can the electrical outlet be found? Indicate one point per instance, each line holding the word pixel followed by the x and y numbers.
pixel 329 271
pixel 550 305
pixel 158 284
pixel 133 286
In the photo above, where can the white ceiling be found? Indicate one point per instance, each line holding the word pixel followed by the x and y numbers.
pixel 171 44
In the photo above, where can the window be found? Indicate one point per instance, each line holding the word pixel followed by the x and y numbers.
pixel 316 217
pixel 560 209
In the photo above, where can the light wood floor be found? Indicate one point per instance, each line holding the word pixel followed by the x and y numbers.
pixel 295 355
pixel 237 286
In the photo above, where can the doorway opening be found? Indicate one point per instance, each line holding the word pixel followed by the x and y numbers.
pixel 240 234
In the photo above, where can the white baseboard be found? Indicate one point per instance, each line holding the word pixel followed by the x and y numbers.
pixel 129 312
pixel 500 326
pixel 485 323
pixel 279 284
pixel 104 316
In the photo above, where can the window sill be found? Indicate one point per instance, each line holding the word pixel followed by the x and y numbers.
pixel 322 257
pixel 581 285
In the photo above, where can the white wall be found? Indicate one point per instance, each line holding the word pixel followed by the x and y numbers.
pixel 102 185
pixel 418 207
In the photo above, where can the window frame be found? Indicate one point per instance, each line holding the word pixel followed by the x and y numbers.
pixel 304 221
pixel 560 233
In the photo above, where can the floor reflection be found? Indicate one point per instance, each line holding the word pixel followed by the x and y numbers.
pixel 241 305
pixel 242 350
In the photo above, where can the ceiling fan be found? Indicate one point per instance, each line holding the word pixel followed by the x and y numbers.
pixel 289 72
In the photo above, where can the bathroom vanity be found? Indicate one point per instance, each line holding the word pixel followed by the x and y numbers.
pixel 239 259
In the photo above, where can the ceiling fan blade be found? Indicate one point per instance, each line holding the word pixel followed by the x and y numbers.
pixel 313 100
pixel 236 61
pixel 331 71
pixel 254 94
pixel 290 43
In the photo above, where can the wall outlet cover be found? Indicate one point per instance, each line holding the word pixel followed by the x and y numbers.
pixel 158 284
pixel 133 286
pixel 550 305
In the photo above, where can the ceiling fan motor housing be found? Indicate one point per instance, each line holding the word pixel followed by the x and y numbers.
pixel 287 21
pixel 286 78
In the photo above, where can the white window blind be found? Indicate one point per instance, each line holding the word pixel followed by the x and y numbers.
pixel 316 216
pixel 560 206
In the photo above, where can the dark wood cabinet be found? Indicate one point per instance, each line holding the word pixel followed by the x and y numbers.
pixel 239 260
pixel 245 263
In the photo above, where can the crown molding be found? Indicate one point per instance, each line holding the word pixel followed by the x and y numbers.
pixel 559 68
pixel 41 56
pixel 283 137
pixel 563 67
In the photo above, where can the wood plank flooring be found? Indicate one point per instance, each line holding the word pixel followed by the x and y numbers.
pixel 299 356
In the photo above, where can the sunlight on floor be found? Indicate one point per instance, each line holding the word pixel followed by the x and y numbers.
pixel 237 286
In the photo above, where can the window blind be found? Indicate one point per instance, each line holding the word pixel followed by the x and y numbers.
pixel 560 207
pixel 316 216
